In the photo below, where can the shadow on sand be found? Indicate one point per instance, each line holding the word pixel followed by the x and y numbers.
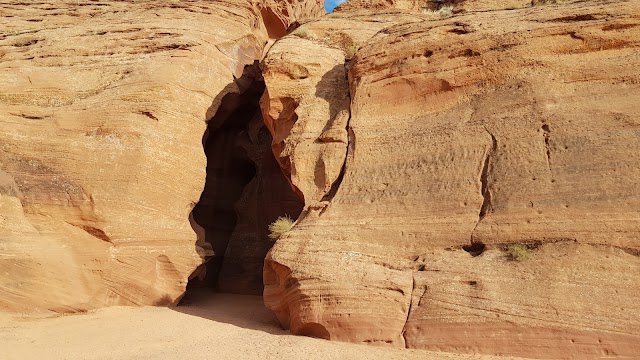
pixel 246 311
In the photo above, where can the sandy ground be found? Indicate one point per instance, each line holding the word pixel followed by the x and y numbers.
pixel 209 326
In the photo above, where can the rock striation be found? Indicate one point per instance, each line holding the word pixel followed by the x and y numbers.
pixel 463 174
pixel 102 111
pixel 489 198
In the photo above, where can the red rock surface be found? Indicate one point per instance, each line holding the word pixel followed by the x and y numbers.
pixel 469 135
pixel 102 111
pixel 431 6
pixel 467 178
pixel 407 5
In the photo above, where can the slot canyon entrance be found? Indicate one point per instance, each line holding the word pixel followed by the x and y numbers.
pixel 244 192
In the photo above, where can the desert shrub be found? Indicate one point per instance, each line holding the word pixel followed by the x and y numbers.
pixel 302 33
pixel 546 2
pixel 351 51
pixel 444 11
pixel 281 226
pixel 518 252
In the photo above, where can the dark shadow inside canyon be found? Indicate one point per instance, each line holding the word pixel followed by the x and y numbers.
pixel 245 190
pixel 245 311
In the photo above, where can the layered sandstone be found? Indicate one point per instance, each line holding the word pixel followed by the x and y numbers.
pixel 466 136
pixel 470 182
pixel 307 104
pixel 431 6
pixel 102 111
pixel 406 5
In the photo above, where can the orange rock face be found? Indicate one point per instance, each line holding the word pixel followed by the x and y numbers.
pixel 466 177
pixel 102 112
pixel 406 5
pixel 432 6
pixel 489 200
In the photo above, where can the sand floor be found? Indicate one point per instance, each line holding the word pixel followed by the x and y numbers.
pixel 210 326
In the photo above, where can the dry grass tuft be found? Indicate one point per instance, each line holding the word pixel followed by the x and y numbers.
pixel 351 51
pixel 281 226
pixel 518 252
pixel 443 12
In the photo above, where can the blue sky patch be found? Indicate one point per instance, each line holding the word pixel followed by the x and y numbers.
pixel 330 4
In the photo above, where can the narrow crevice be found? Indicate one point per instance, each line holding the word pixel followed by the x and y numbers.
pixel 484 178
pixel 93 231
pixel 485 191
pixel 424 293
pixel 404 329
pixel 336 184
pixel 349 150
pixel 244 191
pixel 547 139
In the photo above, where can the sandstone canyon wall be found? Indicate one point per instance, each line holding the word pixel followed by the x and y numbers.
pixel 463 181
pixel 468 140
pixel 430 6
pixel 102 111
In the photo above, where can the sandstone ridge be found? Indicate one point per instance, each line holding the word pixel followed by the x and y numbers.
pixel 102 111
pixel 463 175
pixel 473 141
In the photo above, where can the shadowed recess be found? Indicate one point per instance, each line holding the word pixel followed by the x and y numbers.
pixel 244 192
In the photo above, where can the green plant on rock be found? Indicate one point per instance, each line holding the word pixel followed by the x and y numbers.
pixel 281 226
pixel 351 51
pixel 518 252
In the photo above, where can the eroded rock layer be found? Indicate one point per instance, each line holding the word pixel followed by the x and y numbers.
pixel 489 200
pixel 102 110
pixel 442 7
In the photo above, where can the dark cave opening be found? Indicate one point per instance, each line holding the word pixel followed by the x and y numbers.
pixel 475 249
pixel 245 190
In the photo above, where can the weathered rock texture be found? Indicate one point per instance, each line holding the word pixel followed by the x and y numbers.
pixel 306 105
pixel 429 6
pixel 310 148
pixel 407 5
pixel 466 136
pixel 102 110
